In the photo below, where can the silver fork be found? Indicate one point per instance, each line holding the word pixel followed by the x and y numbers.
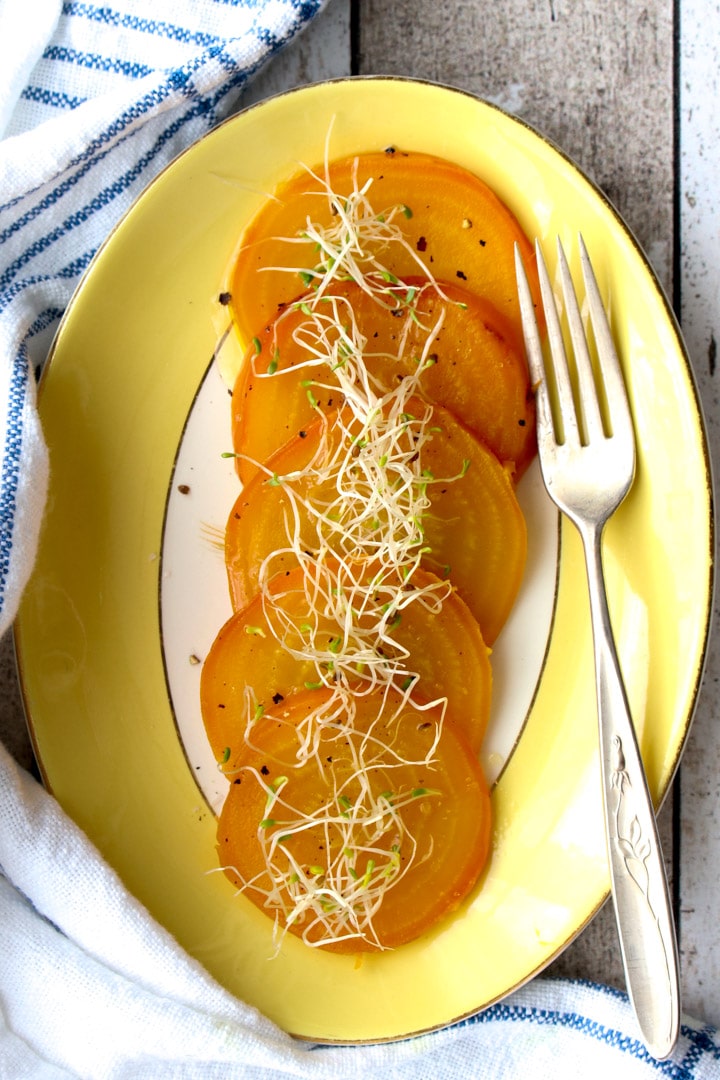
pixel 586 448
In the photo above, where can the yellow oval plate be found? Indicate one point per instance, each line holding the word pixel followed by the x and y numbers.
pixel 94 635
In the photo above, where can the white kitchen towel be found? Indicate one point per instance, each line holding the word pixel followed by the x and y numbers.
pixel 94 101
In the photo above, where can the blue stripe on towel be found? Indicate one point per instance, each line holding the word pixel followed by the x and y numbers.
pixel 54 98
pixel 158 28
pixel 43 320
pixel 703 1042
pixel 97 61
pixel 10 474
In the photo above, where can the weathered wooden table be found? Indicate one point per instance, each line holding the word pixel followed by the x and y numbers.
pixel 629 90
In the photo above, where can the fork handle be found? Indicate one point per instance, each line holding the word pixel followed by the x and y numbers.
pixel 637 872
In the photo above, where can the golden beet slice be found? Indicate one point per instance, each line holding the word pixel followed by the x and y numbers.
pixel 301 634
pixel 370 841
pixel 474 531
pixel 454 224
pixel 462 345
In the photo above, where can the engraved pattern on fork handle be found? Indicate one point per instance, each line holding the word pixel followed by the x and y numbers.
pixel 639 884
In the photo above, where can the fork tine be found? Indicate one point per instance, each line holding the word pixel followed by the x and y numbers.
pixel 533 347
pixel 541 375
pixel 588 405
pixel 563 387
pixel 615 390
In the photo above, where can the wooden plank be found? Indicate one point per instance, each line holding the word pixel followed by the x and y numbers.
pixel 321 51
pixel 699 86
pixel 597 79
